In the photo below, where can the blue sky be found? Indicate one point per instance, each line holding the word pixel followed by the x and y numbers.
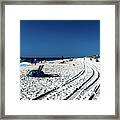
pixel 53 38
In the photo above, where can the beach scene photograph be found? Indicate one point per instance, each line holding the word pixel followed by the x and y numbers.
pixel 59 60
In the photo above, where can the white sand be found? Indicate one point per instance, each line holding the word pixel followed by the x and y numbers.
pixel 73 74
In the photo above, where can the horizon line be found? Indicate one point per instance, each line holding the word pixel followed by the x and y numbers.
pixel 57 56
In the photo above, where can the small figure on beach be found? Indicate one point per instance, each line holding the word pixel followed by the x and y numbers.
pixel 35 61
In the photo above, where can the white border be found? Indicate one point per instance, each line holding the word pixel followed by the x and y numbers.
pixel 15 13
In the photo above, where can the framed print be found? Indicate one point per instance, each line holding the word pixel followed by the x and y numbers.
pixel 60 59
